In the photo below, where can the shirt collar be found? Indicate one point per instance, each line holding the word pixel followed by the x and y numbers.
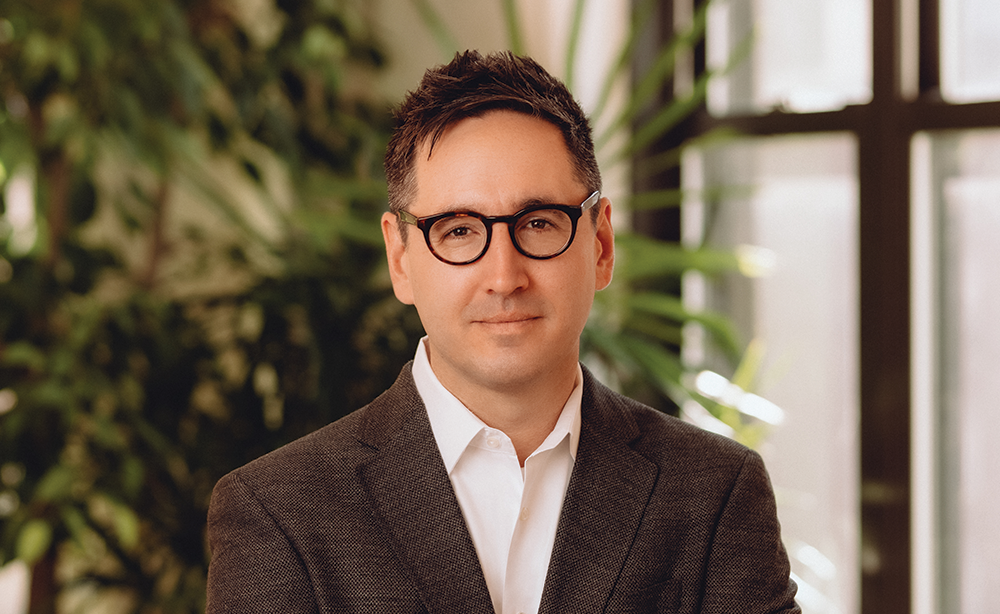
pixel 454 426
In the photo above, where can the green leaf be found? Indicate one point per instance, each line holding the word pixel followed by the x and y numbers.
pixel 651 83
pixel 438 28
pixel 76 524
pixel 650 165
pixel 53 393
pixel 126 525
pixel 108 434
pixel 663 330
pixel 190 167
pixel 320 45
pixel 56 484
pixel 659 304
pixel 750 365
pixel 513 23
pixel 67 62
pixel 622 66
pixel 663 366
pixel 132 474
pixel 609 345
pixel 362 231
pixel 23 354
pixel 37 53
pixel 672 307
pixel 33 541
pixel 668 117
pixel 655 199
pixel 643 257
pixel 579 7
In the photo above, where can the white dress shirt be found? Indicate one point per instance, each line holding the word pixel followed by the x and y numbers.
pixel 511 512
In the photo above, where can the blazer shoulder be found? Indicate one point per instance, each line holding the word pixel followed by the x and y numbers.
pixel 328 450
pixel 341 445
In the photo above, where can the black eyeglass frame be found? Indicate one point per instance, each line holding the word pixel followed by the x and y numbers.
pixel 573 211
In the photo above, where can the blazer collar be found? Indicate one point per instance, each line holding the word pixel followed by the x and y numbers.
pixel 410 491
pixel 605 502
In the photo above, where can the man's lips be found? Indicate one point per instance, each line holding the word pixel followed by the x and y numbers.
pixel 506 318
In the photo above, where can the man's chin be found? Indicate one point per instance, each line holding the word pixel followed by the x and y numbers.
pixel 508 371
pixel 502 362
pixel 510 333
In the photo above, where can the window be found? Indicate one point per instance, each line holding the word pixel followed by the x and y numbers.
pixel 869 167
pixel 792 202
pixel 956 355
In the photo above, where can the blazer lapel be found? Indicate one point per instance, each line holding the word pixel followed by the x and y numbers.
pixel 410 491
pixel 605 501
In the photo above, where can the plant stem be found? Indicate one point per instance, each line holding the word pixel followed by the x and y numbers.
pixel 42 596
pixel 157 239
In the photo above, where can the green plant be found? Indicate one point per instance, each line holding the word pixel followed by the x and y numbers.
pixel 190 272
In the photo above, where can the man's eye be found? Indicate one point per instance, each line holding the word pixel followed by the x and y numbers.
pixel 545 221
pixel 456 229
pixel 458 232
pixel 539 224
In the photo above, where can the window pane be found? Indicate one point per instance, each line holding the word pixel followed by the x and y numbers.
pixel 795 200
pixel 962 172
pixel 970 46
pixel 804 56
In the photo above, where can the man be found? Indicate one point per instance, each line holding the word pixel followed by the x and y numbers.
pixel 497 474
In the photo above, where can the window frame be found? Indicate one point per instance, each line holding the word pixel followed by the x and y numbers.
pixel 905 101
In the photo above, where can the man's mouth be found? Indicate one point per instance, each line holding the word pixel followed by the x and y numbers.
pixel 507 318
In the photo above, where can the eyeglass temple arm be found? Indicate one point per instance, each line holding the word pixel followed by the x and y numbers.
pixel 407 217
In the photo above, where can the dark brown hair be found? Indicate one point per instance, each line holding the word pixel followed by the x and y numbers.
pixel 470 86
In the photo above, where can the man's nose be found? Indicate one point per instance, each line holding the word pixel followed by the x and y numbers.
pixel 505 265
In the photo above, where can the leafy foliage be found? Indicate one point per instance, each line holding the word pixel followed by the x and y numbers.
pixel 190 272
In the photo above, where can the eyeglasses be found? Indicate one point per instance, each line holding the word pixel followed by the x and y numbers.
pixel 537 231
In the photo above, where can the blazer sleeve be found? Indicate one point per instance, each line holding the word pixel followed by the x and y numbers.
pixel 254 567
pixel 748 568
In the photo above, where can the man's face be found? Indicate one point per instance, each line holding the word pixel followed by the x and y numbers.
pixel 504 320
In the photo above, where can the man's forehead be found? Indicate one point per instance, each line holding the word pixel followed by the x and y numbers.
pixel 495 163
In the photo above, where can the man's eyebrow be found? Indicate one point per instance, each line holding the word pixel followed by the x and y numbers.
pixel 528 202
pixel 538 201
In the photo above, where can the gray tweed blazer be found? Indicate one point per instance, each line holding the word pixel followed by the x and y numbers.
pixel 360 516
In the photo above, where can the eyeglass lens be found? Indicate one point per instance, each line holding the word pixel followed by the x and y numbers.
pixel 540 233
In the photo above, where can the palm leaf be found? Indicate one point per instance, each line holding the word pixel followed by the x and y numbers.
pixel 436 25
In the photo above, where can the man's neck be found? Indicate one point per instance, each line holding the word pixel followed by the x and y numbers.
pixel 527 421
pixel 526 412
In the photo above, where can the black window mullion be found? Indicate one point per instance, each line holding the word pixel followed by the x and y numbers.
pixel 930 49
pixel 778 122
pixel 883 175
pixel 935 115
pixel 662 223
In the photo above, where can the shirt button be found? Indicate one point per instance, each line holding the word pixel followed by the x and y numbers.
pixel 493 442
pixel 524 513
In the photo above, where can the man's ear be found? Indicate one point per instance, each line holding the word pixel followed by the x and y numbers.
pixel 395 252
pixel 604 245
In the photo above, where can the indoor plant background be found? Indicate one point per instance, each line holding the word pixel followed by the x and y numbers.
pixel 191 268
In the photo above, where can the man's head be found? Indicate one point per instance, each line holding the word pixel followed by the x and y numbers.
pixel 510 318
pixel 470 86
